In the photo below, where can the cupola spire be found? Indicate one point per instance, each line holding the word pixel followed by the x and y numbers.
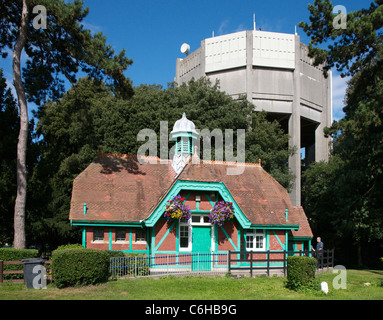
pixel 184 134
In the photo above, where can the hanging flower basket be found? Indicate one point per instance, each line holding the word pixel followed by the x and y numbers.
pixel 175 209
pixel 221 212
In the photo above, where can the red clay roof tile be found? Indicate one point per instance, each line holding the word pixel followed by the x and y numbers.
pixel 120 188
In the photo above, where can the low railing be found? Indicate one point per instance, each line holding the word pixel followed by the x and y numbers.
pixel 269 261
pixel 211 263
pixel 166 264
pixel 20 271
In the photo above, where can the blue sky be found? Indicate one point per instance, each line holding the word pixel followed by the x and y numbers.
pixel 152 32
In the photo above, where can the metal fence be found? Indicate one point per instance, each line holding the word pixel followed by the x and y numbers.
pixel 273 261
pixel 169 264
pixel 213 263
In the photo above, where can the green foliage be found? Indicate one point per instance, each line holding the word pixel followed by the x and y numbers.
pixel 353 180
pixel 69 246
pixel 89 116
pixel 209 108
pixel 51 55
pixel 9 123
pixel 351 49
pixel 267 141
pixel 62 49
pixel 320 182
pixel 79 267
pixel 301 273
pixel 10 254
pixel 115 253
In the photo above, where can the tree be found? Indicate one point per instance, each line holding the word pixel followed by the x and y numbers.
pixel 71 131
pixel 9 124
pixel 90 117
pixel 61 48
pixel 352 49
pixel 210 108
pixel 267 141
pixel 358 138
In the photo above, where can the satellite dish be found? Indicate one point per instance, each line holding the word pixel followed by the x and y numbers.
pixel 185 48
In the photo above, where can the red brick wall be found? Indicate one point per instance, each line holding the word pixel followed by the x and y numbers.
pixel 104 245
pixel 231 229
pixel 300 245
pixel 97 245
pixel 204 203
pixel 274 244
pixel 161 227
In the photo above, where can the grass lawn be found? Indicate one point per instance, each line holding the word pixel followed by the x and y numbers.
pixel 204 288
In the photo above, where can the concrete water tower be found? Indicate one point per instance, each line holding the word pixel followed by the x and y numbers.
pixel 275 73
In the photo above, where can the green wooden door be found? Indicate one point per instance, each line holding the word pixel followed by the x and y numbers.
pixel 201 247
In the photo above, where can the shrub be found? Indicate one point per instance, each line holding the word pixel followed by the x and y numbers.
pixel 301 273
pixel 115 253
pixel 11 254
pixel 78 267
pixel 70 246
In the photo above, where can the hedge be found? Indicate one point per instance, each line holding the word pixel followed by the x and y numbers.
pixel 69 246
pixel 79 266
pixel 11 254
pixel 301 273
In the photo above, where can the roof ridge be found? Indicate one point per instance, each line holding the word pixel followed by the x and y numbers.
pixel 236 163
pixel 246 164
pixel 125 155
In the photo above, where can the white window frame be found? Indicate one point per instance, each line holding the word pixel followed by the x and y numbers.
pixel 119 240
pixel 101 230
pixel 135 241
pixel 189 228
pixel 190 225
pixel 201 220
pixel 257 233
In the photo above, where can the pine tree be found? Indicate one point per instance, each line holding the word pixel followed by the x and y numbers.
pixel 56 49
pixel 355 51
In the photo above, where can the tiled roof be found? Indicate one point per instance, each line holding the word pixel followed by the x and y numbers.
pixel 261 198
pixel 120 188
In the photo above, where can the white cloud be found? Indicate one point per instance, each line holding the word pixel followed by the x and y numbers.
pixel 92 27
pixel 241 27
pixel 339 86
pixel 222 27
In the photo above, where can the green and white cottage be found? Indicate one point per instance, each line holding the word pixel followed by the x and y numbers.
pixel 120 202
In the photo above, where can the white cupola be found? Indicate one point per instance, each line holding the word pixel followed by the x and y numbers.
pixel 184 134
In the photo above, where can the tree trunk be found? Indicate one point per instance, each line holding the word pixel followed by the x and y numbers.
pixel 359 253
pixel 19 215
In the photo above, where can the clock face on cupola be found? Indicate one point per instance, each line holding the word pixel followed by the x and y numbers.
pixel 184 134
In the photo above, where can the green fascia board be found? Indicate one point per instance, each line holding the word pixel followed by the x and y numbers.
pixel 275 226
pixel 198 186
pixel 183 134
pixel 106 223
pixel 300 238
